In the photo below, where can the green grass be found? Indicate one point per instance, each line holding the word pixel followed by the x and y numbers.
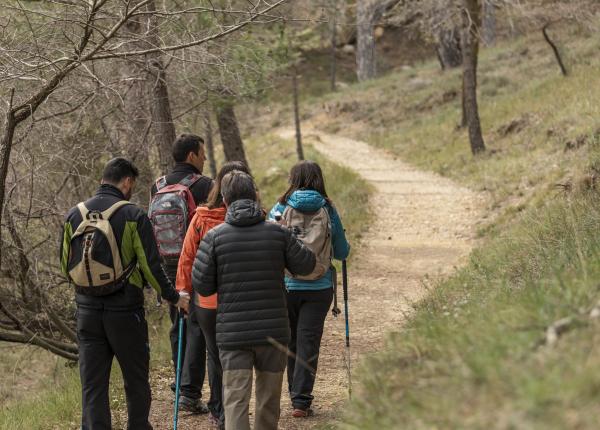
pixel 470 357
pixel 55 401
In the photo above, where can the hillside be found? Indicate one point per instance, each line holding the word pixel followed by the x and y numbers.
pixel 510 340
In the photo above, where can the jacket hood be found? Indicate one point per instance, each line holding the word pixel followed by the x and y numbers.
pixel 306 200
pixel 244 212
pixel 216 214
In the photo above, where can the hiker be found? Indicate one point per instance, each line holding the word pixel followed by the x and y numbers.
pixel 204 309
pixel 305 206
pixel 184 188
pixel 107 249
pixel 243 261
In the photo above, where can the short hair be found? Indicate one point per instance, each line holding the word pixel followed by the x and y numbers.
pixel 185 144
pixel 119 168
pixel 237 185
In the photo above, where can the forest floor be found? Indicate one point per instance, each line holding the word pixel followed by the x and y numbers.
pixel 423 227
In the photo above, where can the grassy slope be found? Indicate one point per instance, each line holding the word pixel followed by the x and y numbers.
pixel 470 357
pixel 55 402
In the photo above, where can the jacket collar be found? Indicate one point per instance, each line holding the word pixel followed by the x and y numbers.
pixel 109 190
pixel 244 213
pixel 186 168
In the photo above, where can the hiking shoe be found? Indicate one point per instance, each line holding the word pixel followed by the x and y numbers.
pixel 215 422
pixel 302 413
pixel 195 406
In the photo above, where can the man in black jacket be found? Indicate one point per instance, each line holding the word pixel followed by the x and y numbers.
pixel 243 260
pixel 114 325
pixel 189 156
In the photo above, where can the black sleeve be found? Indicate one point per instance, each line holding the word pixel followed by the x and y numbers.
pixel 204 273
pixel 299 260
pixel 149 260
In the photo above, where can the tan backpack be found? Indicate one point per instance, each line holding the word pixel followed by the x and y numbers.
pixel 314 230
pixel 95 266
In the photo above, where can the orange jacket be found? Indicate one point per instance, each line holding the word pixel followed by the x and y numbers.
pixel 204 219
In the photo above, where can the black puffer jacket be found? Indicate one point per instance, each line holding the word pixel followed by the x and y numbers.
pixel 243 260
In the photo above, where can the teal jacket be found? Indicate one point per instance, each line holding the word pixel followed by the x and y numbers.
pixel 311 201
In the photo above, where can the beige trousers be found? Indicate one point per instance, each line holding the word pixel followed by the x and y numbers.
pixel 238 366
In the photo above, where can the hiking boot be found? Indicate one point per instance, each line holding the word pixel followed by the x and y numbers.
pixel 302 413
pixel 195 406
pixel 215 422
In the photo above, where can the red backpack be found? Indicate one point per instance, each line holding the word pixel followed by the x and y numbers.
pixel 171 210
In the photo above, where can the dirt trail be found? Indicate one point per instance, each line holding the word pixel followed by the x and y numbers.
pixel 424 226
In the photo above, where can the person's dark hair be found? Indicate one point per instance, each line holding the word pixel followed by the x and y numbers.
pixel 238 185
pixel 215 199
pixel 117 169
pixel 185 144
pixel 305 175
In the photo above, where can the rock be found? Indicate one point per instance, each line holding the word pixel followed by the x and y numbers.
pixel 348 49
pixel 418 83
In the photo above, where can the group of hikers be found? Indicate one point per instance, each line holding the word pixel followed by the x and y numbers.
pixel 255 287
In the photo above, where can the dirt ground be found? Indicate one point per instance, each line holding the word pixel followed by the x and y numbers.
pixel 424 226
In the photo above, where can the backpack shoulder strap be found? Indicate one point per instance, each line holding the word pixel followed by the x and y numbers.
pixel 161 183
pixel 106 214
pixel 190 180
pixel 83 210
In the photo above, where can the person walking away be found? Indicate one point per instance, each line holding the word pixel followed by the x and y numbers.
pixel 243 261
pixel 305 206
pixel 205 308
pixel 107 249
pixel 184 188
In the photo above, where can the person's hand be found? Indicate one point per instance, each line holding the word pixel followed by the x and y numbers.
pixel 184 301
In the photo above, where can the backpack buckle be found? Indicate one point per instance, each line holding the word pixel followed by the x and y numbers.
pixel 94 216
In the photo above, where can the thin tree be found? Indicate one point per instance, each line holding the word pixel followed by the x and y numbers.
pixel 489 32
pixel 210 147
pixel 299 149
pixel 470 50
pixel 333 69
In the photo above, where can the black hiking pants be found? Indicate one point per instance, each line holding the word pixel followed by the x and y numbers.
pixel 307 311
pixel 193 365
pixel 208 322
pixel 193 348
pixel 102 335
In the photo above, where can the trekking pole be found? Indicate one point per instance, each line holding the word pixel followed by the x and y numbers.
pixel 178 371
pixel 345 288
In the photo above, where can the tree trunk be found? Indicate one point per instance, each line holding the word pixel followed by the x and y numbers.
pixel 210 147
pixel 333 71
pixel 162 119
pixel 137 123
pixel 489 23
pixel 299 149
pixel 5 148
pixel 448 47
pixel 470 49
pixel 164 128
pixel 233 147
pixel 365 41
